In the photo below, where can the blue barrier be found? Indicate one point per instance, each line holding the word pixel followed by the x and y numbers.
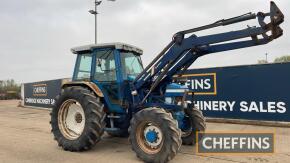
pixel 42 93
pixel 252 92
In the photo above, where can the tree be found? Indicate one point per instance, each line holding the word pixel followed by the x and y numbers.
pixel 262 61
pixel 9 89
pixel 285 58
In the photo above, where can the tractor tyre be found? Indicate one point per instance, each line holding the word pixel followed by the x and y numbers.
pixel 154 135
pixel 77 119
pixel 197 123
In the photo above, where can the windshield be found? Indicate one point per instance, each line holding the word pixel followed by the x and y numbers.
pixel 131 65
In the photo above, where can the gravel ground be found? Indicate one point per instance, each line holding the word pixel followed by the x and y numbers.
pixel 25 137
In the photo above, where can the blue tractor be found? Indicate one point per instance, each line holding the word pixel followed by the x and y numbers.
pixel 112 92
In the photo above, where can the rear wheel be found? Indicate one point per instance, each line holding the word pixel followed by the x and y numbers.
pixel 77 119
pixel 196 122
pixel 154 135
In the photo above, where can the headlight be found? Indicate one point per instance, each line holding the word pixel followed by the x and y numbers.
pixel 169 100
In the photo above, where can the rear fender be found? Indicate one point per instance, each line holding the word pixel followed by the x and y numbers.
pixel 90 85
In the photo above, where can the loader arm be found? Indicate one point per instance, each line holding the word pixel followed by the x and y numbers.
pixel 182 51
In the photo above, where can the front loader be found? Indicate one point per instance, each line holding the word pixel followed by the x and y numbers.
pixel 112 92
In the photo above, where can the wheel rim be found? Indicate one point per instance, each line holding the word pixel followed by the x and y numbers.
pixel 71 119
pixel 149 137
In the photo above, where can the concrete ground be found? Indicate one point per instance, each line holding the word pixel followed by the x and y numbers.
pixel 25 137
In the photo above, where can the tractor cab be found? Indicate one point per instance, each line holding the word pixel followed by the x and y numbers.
pixel 111 67
pixel 107 62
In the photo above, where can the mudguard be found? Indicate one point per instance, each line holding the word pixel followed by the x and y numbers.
pixel 92 86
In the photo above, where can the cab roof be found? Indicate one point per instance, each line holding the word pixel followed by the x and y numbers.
pixel 117 45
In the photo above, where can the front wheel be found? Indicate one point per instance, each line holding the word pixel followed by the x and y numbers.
pixel 196 123
pixel 154 135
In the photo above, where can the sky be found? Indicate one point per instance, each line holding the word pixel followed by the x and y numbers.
pixel 36 35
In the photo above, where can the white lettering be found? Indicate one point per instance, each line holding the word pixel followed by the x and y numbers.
pixel 204 143
pixel 266 143
pixel 207 84
pixel 244 107
pixel 281 107
pixel 271 107
pixel 253 107
pixel 231 104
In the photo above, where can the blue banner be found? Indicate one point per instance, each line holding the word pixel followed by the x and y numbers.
pixel 253 92
pixel 41 94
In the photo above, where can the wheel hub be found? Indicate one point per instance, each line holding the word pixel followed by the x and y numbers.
pixel 153 136
pixel 71 119
pixel 78 117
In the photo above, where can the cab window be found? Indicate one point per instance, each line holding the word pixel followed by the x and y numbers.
pixel 83 66
pixel 105 66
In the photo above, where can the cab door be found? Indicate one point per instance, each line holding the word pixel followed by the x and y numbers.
pixel 107 76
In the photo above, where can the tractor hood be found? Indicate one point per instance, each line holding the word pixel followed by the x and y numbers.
pixel 91 47
pixel 175 89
